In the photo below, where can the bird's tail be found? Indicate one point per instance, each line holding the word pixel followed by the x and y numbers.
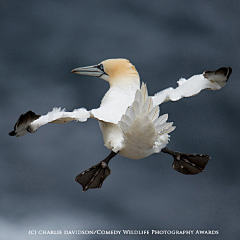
pixel 143 129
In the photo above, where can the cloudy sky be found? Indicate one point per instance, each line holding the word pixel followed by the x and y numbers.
pixel 41 42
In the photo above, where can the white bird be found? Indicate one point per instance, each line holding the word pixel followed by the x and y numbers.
pixel 129 118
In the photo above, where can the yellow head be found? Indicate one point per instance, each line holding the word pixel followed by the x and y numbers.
pixel 116 71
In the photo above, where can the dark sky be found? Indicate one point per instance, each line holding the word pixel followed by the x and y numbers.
pixel 41 42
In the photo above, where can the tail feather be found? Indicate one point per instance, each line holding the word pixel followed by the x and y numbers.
pixel 161 119
pixel 142 126
pixel 161 127
pixel 130 113
pixel 153 114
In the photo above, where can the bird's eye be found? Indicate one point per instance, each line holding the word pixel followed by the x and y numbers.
pixel 100 66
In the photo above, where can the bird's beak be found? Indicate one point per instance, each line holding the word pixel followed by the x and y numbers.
pixel 90 71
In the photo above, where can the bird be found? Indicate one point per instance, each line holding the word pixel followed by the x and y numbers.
pixel 129 118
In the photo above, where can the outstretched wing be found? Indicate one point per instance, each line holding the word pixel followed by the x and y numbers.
pixel 213 80
pixel 30 122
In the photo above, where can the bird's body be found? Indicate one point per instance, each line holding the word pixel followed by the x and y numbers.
pixel 140 131
pixel 128 118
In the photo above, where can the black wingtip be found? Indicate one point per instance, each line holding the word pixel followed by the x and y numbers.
pixel 12 133
pixel 229 72
pixel 221 74
pixel 21 126
pixel 225 71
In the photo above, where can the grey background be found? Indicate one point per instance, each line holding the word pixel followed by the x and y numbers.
pixel 41 42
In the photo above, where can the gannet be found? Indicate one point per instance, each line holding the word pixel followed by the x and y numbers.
pixel 129 118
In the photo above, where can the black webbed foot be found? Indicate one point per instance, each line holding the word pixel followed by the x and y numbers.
pixel 94 176
pixel 188 163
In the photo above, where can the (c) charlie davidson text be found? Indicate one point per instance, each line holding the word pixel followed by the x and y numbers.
pixel 124 232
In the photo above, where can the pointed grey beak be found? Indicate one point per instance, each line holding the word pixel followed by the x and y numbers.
pixel 96 71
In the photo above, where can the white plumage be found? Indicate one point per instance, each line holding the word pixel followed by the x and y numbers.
pixel 128 118
pixel 144 132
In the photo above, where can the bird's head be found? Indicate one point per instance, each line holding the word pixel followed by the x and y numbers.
pixel 115 71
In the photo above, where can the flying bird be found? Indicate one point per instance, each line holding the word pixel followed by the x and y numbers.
pixel 129 118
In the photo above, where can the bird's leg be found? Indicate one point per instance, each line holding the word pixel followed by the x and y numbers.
pixel 188 163
pixel 94 176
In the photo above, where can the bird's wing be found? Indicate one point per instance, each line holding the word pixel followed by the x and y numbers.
pixel 144 131
pixel 213 80
pixel 30 122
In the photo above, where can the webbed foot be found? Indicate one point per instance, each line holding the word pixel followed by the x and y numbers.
pixel 94 176
pixel 188 163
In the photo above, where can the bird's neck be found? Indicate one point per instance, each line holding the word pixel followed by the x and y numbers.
pixel 133 85
pixel 122 89
pixel 132 79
